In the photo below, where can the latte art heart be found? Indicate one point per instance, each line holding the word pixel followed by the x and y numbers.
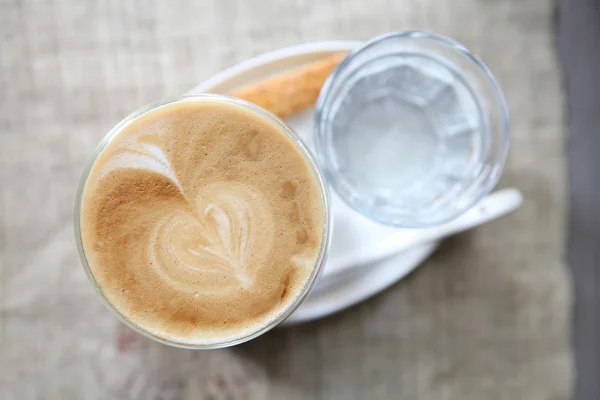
pixel 201 222
pixel 229 234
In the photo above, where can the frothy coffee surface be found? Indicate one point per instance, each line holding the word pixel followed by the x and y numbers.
pixel 201 221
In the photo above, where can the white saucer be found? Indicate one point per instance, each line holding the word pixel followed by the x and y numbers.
pixel 364 258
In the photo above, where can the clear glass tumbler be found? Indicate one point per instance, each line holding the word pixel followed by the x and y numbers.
pixel 412 129
pixel 319 263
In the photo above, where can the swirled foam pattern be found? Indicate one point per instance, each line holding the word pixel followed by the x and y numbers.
pixel 201 222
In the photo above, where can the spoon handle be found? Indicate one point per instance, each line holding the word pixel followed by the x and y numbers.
pixel 489 208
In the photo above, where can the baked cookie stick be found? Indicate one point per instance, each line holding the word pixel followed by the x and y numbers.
pixel 291 91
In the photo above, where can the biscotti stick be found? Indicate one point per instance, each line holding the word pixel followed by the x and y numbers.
pixel 291 91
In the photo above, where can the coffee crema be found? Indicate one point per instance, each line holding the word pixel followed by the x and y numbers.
pixel 201 222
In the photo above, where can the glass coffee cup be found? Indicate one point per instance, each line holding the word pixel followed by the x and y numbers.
pixel 209 209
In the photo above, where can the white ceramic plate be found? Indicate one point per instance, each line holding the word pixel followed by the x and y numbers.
pixel 376 247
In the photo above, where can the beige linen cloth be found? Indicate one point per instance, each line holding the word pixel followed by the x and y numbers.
pixel 487 317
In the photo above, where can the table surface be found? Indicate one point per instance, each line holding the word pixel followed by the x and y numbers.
pixel 487 317
pixel 578 41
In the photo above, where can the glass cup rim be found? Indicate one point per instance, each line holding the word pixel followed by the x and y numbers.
pixel 306 154
pixel 326 97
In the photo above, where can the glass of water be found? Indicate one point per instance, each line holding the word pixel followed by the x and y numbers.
pixel 412 129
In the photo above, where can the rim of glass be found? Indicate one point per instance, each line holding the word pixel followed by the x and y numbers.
pixel 308 157
pixel 323 109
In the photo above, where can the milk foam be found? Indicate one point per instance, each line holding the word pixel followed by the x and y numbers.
pixel 201 222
